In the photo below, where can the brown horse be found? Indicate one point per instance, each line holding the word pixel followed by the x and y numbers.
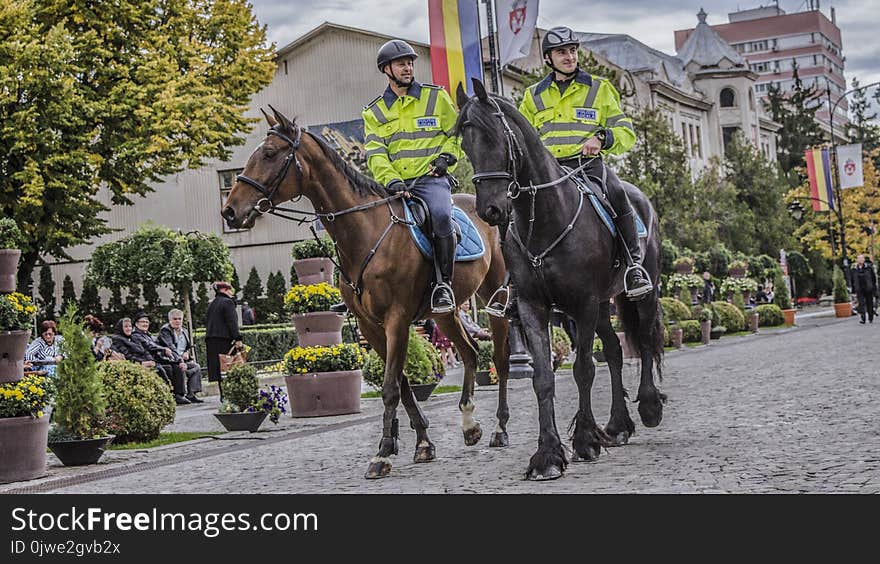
pixel 384 278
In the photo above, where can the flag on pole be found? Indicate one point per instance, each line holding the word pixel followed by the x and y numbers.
pixel 819 171
pixel 516 27
pixel 849 164
pixel 455 44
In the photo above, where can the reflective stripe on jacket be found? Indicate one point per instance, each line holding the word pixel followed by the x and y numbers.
pixel 404 135
pixel 565 121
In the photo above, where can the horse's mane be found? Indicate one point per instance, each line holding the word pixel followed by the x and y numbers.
pixel 481 114
pixel 359 183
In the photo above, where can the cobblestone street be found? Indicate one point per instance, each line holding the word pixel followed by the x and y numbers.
pixel 784 411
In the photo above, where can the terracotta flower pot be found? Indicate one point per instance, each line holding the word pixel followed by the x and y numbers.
pixel 753 322
pixel 789 316
pixel 737 272
pixel 8 269
pixel 324 393
pixel 843 310
pixel 705 331
pixel 677 336
pixel 320 328
pixel 13 344
pixel 314 270
pixel 23 443
pixel 629 351
pixel 81 453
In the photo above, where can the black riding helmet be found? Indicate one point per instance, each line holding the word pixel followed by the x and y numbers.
pixel 557 37
pixel 393 50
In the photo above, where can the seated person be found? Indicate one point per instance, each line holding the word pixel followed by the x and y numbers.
pixel 168 359
pixel 761 296
pixel 100 343
pixel 471 326
pixel 123 344
pixel 175 337
pixel 44 351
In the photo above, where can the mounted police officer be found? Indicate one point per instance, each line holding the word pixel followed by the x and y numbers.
pixel 410 148
pixel 578 116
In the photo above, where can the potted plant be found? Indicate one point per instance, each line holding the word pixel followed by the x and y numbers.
pixel 674 312
pixel 24 427
pixel 683 265
pixel 738 269
pixel 423 367
pixel 324 380
pixel 245 406
pixel 705 315
pixel 79 435
pixel 560 344
pixel 311 261
pixel 16 315
pixel 10 239
pixel 484 362
pixel 690 283
pixel 782 298
pixel 716 332
pixel 315 324
pixel 842 299
pixel 731 287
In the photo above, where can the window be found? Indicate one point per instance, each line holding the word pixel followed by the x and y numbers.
pixel 227 181
pixel 728 98
pixel 763 66
pixel 699 143
pixel 727 134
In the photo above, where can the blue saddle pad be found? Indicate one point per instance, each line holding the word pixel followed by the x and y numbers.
pixel 470 247
pixel 609 223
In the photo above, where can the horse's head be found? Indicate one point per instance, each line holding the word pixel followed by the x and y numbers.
pixel 273 174
pixel 491 136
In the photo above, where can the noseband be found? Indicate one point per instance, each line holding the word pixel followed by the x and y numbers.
pixel 269 191
pixel 514 152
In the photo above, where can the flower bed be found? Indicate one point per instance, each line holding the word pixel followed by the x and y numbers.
pixel 311 298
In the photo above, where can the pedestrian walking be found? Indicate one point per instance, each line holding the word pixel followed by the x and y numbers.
pixel 221 330
pixel 864 283
pixel 708 295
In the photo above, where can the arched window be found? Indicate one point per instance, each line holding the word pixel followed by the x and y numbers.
pixel 728 98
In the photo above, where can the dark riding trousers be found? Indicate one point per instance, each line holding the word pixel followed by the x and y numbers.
pixel 437 194
pixel 614 189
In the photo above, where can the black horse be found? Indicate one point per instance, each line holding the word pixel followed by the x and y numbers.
pixel 560 254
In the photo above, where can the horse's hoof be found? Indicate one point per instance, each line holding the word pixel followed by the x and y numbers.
pixel 378 468
pixel 618 439
pixel 589 453
pixel 651 413
pixel 424 453
pixel 499 439
pixel 551 473
pixel 473 435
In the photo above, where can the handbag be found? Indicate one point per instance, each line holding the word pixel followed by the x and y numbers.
pixel 236 357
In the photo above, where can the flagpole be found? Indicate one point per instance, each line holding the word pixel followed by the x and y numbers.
pixel 493 56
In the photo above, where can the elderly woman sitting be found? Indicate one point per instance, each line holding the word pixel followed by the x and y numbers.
pixel 45 350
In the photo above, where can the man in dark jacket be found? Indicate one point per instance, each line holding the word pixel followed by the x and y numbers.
pixel 124 344
pixel 864 283
pixel 168 359
pixel 221 330
pixel 174 336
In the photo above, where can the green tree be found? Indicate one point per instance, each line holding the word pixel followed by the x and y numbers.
pixel 200 309
pixel 152 302
pixel 796 111
pixel 80 403
pixel 116 94
pixel 114 304
pixel 236 282
pixel 47 292
pixel 273 305
pixel 68 294
pixel 89 300
pixel 253 288
pixel 133 300
pixel 862 127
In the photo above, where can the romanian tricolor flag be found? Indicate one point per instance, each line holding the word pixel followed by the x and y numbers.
pixel 455 43
pixel 819 171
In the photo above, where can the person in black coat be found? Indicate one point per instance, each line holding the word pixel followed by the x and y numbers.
pixel 221 330
pixel 165 357
pixel 864 284
pixel 124 344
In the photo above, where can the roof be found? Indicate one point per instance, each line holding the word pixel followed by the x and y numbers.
pixel 774 26
pixel 631 54
pixel 328 26
pixel 707 49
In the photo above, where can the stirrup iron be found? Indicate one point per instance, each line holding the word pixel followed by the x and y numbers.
pixel 641 291
pixel 498 312
pixel 434 292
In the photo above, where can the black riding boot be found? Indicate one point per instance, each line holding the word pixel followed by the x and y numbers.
pixel 442 299
pixel 637 283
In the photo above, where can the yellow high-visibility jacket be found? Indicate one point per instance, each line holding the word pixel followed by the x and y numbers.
pixel 565 121
pixel 404 135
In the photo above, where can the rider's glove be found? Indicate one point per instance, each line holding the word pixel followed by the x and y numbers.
pixel 396 186
pixel 442 163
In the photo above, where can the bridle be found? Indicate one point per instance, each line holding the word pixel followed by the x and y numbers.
pixel 269 191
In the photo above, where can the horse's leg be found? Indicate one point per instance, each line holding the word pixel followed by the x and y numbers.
pixel 417 419
pixel 501 356
pixel 620 427
pixel 396 339
pixel 587 439
pixel 549 461
pixel 467 348
pixel 650 340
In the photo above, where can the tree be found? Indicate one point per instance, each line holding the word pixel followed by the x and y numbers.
pixel 116 94
pixel 68 294
pixel 200 309
pixel 152 302
pixel 47 292
pixel 133 300
pixel 253 288
pixel 796 111
pixel 862 128
pixel 89 300
pixel 114 304
pixel 273 305
pixel 236 283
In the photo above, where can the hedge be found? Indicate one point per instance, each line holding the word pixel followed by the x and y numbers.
pixel 769 315
pixel 675 310
pixel 730 316
pixel 691 331
pixel 139 402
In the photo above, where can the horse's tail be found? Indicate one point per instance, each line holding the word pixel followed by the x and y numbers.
pixel 643 327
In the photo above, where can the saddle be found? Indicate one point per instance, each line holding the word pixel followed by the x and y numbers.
pixel 591 186
pixel 470 244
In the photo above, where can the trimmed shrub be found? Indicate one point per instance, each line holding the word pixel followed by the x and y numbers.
pixel 484 355
pixel 781 296
pixel 79 405
pixel 841 294
pixel 769 315
pixel 730 316
pixel 560 344
pixel 310 248
pixel 423 364
pixel 240 388
pixel 675 310
pixel 691 331
pixel 139 402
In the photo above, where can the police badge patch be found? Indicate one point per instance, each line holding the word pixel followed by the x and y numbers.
pixel 585 113
pixel 426 122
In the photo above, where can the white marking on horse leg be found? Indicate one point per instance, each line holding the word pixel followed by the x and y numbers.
pixel 467 417
pixel 498 428
pixel 424 444
pixel 376 459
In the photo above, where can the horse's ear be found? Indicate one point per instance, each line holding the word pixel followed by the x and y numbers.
pixel 271 121
pixel 479 89
pixel 461 96
pixel 286 124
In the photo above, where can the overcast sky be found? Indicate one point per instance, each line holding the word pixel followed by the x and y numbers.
pixel 650 21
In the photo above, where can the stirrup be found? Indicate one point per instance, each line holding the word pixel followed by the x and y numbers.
pixel 498 311
pixel 638 292
pixel 446 309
